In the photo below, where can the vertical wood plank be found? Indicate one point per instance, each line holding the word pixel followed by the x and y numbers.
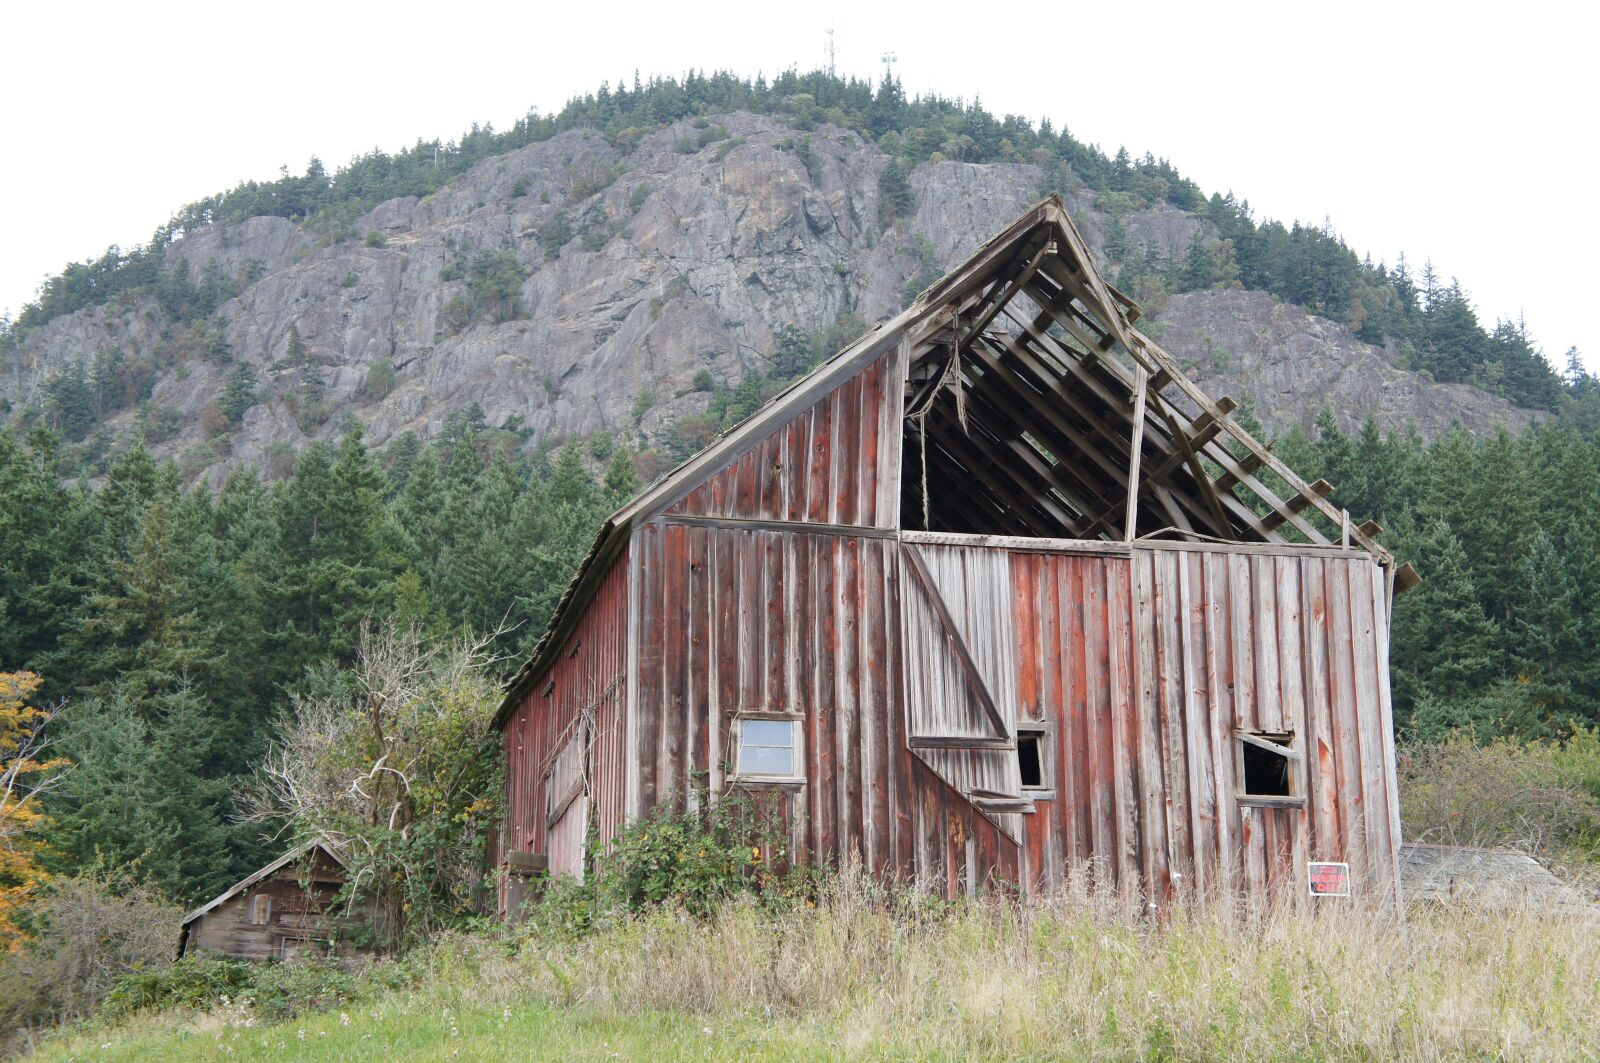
pixel 1269 707
pixel 1219 687
pixel 1342 681
pixel 1153 827
pixel 1202 787
pixel 1321 771
pixel 1380 610
pixel 1240 611
pixel 1126 725
pixel 1369 715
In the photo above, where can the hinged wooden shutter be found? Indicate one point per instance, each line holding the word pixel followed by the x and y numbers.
pixel 960 674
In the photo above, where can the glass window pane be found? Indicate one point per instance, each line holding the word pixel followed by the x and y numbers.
pixel 766 760
pixel 767 733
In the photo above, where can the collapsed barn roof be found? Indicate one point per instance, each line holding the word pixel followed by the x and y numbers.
pixel 1032 401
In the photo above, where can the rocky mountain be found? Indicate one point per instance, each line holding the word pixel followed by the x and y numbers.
pixel 570 287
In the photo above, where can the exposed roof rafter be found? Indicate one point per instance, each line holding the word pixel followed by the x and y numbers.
pixel 1045 446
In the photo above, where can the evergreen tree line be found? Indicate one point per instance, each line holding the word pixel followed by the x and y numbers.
pixel 1498 638
pixel 173 623
pixel 1311 266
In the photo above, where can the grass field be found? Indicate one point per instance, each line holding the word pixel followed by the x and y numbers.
pixel 850 978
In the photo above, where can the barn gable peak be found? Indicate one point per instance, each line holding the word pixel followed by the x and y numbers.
pixel 1014 397
pixel 1029 401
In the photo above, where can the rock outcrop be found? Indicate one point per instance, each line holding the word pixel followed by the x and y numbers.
pixel 1291 364
pixel 638 273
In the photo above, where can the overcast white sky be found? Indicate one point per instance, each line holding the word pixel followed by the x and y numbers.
pixel 1462 132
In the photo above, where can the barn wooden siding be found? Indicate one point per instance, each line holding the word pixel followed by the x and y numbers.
pixel 798 621
pixel 587 683
pixel 834 463
pixel 1143 666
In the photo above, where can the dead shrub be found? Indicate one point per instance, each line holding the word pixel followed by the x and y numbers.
pixel 1541 797
pixel 88 931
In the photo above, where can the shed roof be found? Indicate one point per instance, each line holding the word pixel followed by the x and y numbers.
pixel 290 857
pixel 1029 389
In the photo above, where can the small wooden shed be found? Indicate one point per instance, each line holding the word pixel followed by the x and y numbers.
pixel 285 911
pixel 994 595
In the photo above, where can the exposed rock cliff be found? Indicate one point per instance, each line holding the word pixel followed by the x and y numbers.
pixel 1291 363
pixel 635 274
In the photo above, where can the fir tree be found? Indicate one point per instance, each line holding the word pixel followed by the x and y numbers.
pixel 238 393
pixel 894 193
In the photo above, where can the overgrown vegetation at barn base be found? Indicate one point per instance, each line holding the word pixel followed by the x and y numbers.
pixel 863 973
pixel 695 860
pixel 1541 797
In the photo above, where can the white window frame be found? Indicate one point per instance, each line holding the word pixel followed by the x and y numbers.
pixel 797 732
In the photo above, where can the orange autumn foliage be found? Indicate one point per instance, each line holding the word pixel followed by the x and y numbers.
pixel 24 773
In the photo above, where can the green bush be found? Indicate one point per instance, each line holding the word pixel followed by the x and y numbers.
pixel 274 991
pixel 380 379
pixel 376 238
pixel 1542 797
pixel 894 193
pixel 87 932
pixel 192 982
pixel 691 860
pixel 284 990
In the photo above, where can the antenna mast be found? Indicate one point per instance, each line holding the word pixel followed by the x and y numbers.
pixel 888 66
pixel 830 52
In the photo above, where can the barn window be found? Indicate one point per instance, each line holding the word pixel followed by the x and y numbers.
pixel 1267 764
pixel 260 910
pixel 1032 759
pixel 769 748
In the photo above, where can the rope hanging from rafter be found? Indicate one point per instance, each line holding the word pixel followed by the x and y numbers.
pixel 949 377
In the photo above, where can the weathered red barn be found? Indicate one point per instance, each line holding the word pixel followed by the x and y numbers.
pixel 915 598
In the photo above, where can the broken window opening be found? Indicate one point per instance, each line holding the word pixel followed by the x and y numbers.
pixel 1266 769
pixel 1031 759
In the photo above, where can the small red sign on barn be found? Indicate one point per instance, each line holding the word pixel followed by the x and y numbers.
pixel 1328 880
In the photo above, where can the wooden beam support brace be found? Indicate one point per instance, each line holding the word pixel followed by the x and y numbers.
pixel 1208 491
pixel 997 304
pixel 1200 399
pixel 1137 452
pixel 960 447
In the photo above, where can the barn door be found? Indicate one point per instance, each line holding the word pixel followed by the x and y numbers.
pixel 566 795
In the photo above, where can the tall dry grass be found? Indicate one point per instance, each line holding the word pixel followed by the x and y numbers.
pixel 1082 977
